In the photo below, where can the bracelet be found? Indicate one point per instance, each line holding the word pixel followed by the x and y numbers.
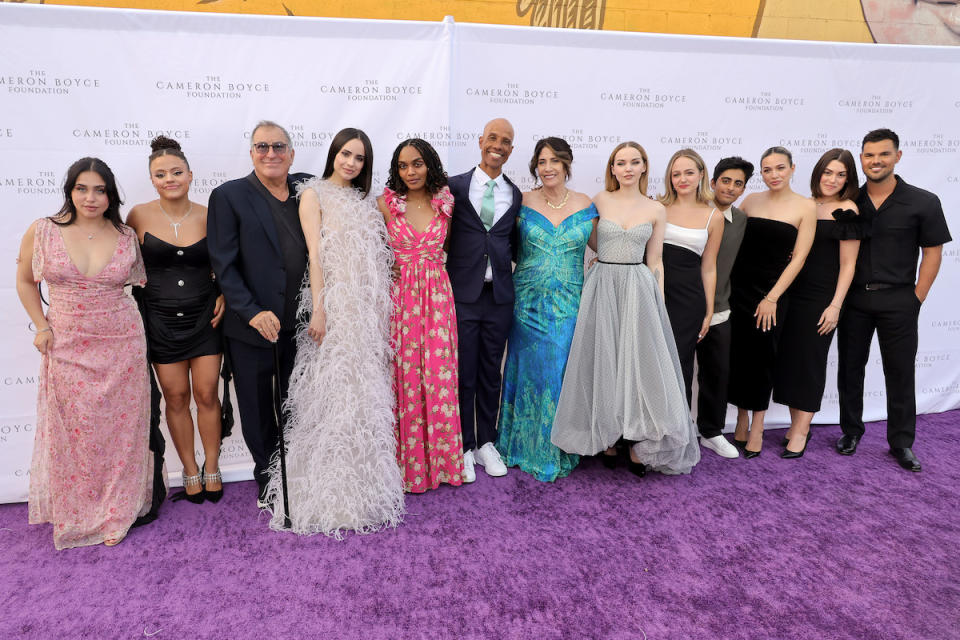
pixel 38 331
pixel 834 306
pixel 769 300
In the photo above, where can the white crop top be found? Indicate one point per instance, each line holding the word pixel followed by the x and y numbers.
pixel 693 239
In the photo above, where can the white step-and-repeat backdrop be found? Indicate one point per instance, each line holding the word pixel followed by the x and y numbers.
pixel 76 82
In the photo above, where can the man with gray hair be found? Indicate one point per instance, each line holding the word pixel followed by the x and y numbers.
pixel 259 256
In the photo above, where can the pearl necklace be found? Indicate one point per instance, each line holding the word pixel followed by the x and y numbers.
pixel 566 197
pixel 176 225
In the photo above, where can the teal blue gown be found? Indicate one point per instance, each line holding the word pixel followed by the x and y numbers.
pixel 547 283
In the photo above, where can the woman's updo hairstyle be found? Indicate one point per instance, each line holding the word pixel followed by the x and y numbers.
pixel 164 146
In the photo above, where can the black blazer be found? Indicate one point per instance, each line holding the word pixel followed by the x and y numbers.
pixel 245 255
pixel 471 244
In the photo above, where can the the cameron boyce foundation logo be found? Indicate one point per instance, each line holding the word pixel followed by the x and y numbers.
pixel 15 430
pixel 42 82
pixel 38 183
pixel 701 141
pixel 205 183
pixel 128 134
pixel 6 133
pixel 765 101
pixel 819 143
pixel 441 137
pixel 303 137
pixel 937 143
pixel 643 98
pixel 874 104
pixel 513 93
pixel 370 90
pixel 583 139
pixel 212 87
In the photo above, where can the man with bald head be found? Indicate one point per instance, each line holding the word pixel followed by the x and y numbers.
pixel 482 247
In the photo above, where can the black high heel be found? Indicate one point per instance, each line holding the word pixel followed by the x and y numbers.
pixel 212 496
pixel 609 461
pixel 748 454
pixel 189 481
pixel 740 444
pixel 637 468
pixel 790 455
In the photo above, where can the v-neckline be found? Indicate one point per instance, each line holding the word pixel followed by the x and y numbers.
pixel 73 264
pixel 414 229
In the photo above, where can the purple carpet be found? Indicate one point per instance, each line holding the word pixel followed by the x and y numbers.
pixel 822 547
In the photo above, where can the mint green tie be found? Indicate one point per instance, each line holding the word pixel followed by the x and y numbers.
pixel 488 205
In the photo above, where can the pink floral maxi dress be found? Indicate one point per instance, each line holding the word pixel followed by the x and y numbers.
pixel 91 474
pixel 424 332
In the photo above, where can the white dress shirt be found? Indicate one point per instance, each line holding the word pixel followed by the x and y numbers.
pixel 502 200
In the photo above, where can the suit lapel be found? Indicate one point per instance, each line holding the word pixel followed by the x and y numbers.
pixel 261 209
pixel 465 198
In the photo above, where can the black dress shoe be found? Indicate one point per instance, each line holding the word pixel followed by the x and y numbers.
pixel 905 458
pixel 750 454
pixel 847 445
pixel 786 454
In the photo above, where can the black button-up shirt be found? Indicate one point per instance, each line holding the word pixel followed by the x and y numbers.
pixel 908 219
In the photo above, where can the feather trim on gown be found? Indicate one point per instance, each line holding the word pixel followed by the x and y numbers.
pixel 342 471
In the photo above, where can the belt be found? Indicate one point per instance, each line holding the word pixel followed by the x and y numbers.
pixel 626 264
pixel 877 286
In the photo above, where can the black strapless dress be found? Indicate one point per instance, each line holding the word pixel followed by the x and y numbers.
pixel 178 300
pixel 800 375
pixel 764 254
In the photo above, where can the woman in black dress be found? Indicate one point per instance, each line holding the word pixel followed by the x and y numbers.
pixel 182 311
pixel 690 244
pixel 816 296
pixel 780 229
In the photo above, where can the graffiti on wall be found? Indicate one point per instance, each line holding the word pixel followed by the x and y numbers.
pixel 568 14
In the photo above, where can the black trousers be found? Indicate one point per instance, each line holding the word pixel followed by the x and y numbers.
pixel 253 380
pixel 713 375
pixel 892 313
pixel 482 329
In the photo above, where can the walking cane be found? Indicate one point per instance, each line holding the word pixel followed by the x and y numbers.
pixel 282 446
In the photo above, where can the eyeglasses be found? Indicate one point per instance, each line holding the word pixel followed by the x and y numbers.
pixel 263 148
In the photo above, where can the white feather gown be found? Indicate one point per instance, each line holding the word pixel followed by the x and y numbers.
pixel 342 471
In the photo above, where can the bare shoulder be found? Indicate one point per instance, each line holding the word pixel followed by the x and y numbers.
pixel 135 215
pixel 850 204
pixel 529 197
pixel 579 200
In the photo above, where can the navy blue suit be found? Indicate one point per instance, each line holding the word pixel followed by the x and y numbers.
pixel 484 309
pixel 245 252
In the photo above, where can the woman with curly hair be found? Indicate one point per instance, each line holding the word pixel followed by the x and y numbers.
pixel 416 206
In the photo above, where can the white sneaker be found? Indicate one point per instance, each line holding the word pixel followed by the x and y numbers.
pixel 489 458
pixel 469 475
pixel 720 446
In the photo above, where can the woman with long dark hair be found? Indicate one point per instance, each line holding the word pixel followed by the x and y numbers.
pixel 817 295
pixel 182 312
pixel 341 447
pixel 416 206
pixel 91 474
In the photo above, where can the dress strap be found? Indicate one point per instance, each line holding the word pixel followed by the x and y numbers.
pixel 710 217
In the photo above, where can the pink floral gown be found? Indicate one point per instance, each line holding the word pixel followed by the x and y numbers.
pixel 424 331
pixel 91 474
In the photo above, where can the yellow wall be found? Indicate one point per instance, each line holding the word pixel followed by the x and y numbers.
pixel 838 20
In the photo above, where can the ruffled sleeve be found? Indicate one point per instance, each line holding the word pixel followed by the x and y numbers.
pixel 396 203
pixel 138 273
pixel 39 237
pixel 851 226
pixel 442 201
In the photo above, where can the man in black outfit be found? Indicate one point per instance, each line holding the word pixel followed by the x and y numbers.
pixel 730 178
pixel 259 256
pixel 886 295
